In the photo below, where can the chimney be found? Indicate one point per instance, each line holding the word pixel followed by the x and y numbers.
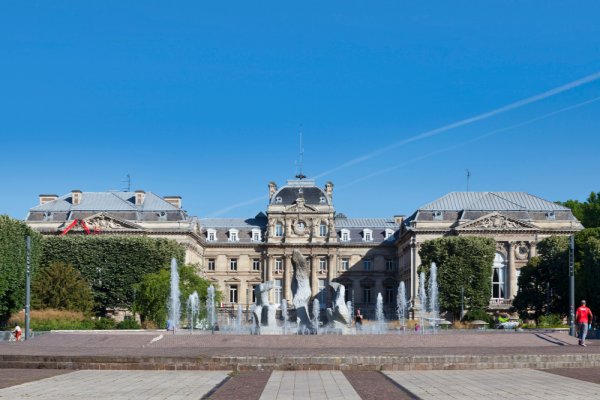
pixel 76 197
pixel 174 200
pixel 140 195
pixel 47 198
pixel 272 189
pixel 329 189
pixel 399 219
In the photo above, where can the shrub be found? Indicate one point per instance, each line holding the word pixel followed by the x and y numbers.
pixel 478 314
pixel 551 321
pixel 60 286
pixel 47 320
pixel 105 323
pixel 128 323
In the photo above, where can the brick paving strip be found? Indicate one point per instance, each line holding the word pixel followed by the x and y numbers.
pixel 583 374
pixel 11 377
pixel 247 385
pixel 372 385
pixel 483 384
pixel 104 385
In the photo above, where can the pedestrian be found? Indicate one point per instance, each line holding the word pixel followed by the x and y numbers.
pixel 358 319
pixel 583 318
pixel 17 332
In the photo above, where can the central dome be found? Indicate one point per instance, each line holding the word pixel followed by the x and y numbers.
pixel 300 188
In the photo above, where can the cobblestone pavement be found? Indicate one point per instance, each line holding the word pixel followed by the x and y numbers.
pixel 505 384
pixel 17 376
pixel 116 385
pixel 583 374
pixel 308 385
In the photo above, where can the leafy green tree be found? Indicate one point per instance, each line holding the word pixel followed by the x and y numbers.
pixel 112 264
pixel 588 212
pixel 588 276
pixel 153 292
pixel 60 286
pixel 463 262
pixel 12 264
pixel 544 281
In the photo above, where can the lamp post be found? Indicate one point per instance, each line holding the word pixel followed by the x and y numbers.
pixel 27 284
pixel 572 285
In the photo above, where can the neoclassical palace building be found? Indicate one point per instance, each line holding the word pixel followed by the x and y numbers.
pixel 367 255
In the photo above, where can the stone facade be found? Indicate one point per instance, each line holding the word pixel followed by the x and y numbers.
pixel 367 255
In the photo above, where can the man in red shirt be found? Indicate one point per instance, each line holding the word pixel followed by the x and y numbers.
pixel 583 317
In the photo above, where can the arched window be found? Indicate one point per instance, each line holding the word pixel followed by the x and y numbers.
pixel 499 277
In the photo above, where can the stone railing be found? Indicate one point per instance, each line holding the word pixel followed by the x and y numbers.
pixel 500 304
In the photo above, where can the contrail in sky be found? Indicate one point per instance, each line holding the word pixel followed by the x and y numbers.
pixel 520 124
pixel 509 107
pixel 467 121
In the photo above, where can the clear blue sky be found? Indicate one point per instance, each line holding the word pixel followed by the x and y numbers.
pixel 206 100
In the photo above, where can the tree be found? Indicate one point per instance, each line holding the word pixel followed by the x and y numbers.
pixel 588 275
pixel 112 264
pixel 544 281
pixel 62 287
pixel 464 262
pixel 152 292
pixel 588 212
pixel 12 264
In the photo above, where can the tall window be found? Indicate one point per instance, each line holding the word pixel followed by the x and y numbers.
pixel 345 264
pixel 367 264
pixel 279 229
pixel 498 277
pixel 253 293
pixel 256 264
pixel 367 295
pixel 277 291
pixel 389 264
pixel 390 295
pixel 322 229
pixel 233 294
pixel 322 265
pixel 233 264
pixel 278 266
pixel 211 264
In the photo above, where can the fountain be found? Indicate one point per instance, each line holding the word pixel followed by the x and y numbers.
pixel 380 328
pixel 174 305
pixel 239 324
pixel 350 312
pixel 284 316
pixel 264 312
pixel 434 309
pixel 210 308
pixel 192 310
pixel 316 309
pixel 422 301
pixel 401 305
pixel 301 291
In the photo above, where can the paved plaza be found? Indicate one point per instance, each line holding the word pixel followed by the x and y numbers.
pixel 178 385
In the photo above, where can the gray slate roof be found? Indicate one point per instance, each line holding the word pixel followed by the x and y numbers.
pixel 106 201
pixel 227 223
pixel 492 201
pixel 365 223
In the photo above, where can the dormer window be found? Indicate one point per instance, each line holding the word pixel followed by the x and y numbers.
pixel 345 235
pixel 48 216
pixel 322 229
pixel 322 200
pixel 211 235
pixel 438 216
pixel 256 236
pixel 233 235
pixel 367 235
pixel 389 234
pixel 279 229
pixel 550 216
pixel 278 200
pixel 162 216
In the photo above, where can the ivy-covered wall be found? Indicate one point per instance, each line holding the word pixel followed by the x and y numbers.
pixel 112 264
pixel 12 264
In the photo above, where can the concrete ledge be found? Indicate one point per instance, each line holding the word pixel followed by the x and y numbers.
pixel 365 363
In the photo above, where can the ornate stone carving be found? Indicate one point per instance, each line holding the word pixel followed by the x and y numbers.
pixel 521 251
pixel 264 313
pixel 338 315
pixel 495 221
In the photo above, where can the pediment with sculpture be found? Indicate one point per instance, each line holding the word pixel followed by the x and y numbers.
pixel 103 222
pixel 496 221
pixel 300 206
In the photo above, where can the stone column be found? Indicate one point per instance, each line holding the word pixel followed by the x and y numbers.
pixel 287 277
pixel 314 280
pixel 512 271
pixel 532 249
pixel 332 263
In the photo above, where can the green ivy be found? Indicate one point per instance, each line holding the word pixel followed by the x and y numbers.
pixel 12 264
pixel 112 264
